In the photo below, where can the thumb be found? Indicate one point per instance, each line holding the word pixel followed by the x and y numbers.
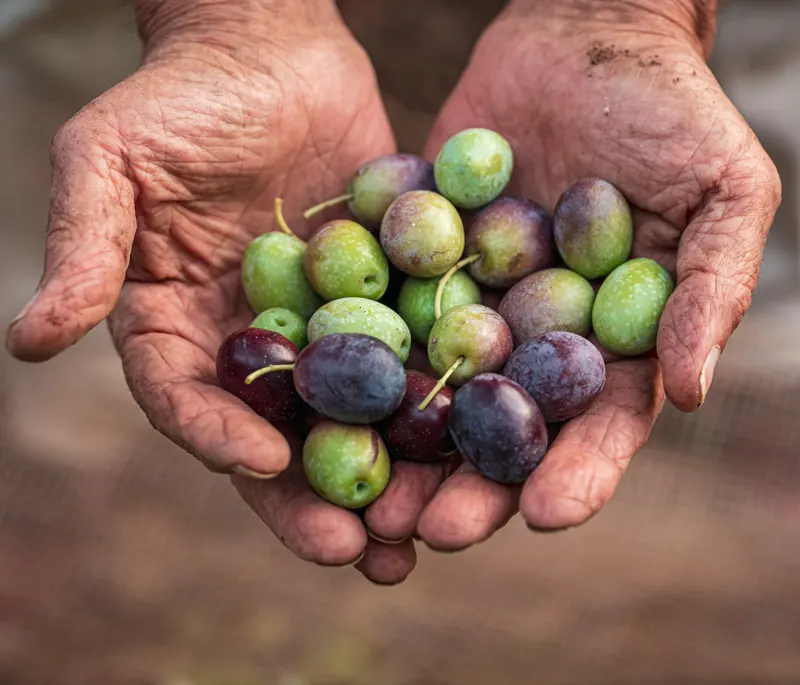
pixel 719 259
pixel 90 230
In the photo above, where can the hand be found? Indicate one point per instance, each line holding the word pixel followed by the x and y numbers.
pixel 158 187
pixel 618 90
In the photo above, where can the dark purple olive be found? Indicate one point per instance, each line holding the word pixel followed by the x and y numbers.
pixel 352 378
pixel 273 395
pixel 563 372
pixel 498 428
pixel 417 435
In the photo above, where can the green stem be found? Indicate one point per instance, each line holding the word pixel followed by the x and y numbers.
pixel 267 369
pixel 316 209
pixel 437 303
pixel 279 217
pixel 442 382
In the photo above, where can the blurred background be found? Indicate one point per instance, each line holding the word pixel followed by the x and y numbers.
pixel 122 561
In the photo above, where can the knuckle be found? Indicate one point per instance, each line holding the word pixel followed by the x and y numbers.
pixel 65 138
pixel 772 184
pixel 88 281
pixel 314 538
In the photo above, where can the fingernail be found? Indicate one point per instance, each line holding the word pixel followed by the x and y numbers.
pixel 377 538
pixel 547 531
pixel 707 374
pixel 359 558
pixel 446 550
pixel 247 472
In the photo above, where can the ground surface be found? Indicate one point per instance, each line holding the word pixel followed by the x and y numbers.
pixel 123 562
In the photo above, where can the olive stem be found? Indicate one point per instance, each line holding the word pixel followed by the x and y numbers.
pixel 442 382
pixel 267 369
pixel 437 303
pixel 279 218
pixel 316 209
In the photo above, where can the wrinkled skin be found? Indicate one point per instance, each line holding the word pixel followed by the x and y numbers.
pixel 159 186
pixel 189 154
pixel 655 123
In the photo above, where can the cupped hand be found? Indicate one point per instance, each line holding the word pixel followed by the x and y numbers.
pixel 158 187
pixel 621 91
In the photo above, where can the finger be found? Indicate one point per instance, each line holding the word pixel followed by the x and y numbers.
pixel 393 516
pixel 173 381
pixel 388 564
pixel 90 231
pixel 585 463
pixel 466 510
pixel 313 529
pixel 718 264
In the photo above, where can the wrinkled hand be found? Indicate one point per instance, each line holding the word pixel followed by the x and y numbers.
pixel 158 187
pixel 609 88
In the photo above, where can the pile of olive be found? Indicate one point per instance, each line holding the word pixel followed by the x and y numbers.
pixel 330 340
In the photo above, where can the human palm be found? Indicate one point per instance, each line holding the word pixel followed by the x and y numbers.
pixel 639 107
pixel 158 188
